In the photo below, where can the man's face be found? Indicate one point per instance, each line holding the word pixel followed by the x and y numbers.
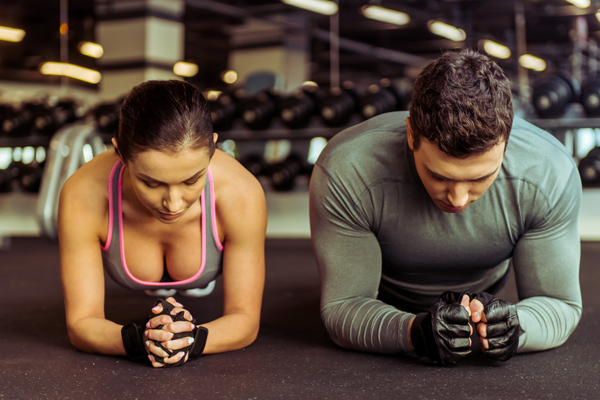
pixel 453 183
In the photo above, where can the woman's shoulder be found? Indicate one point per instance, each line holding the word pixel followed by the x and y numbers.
pixel 233 184
pixel 87 189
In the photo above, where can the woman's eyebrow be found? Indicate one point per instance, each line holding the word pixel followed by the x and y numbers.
pixel 149 178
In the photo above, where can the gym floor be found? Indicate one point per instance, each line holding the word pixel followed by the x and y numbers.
pixel 293 356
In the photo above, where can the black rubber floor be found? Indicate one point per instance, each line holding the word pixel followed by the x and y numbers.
pixel 292 358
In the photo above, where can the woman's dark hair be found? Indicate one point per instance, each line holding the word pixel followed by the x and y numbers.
pixel 463 103
pixel 167 115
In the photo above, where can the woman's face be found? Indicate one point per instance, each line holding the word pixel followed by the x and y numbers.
pixel 168 184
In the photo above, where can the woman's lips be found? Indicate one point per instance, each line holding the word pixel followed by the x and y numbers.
pixel 170 216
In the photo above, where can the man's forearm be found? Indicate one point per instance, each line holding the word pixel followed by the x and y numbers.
pixel 367 324
pixel 547 322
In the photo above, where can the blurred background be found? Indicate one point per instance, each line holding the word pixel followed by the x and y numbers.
pixel 282 77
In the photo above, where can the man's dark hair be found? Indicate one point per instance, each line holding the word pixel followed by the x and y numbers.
pixel 463 103
pixel 168 115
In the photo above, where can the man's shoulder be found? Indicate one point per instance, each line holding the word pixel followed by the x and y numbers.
pixel 368 141
pixel 535 156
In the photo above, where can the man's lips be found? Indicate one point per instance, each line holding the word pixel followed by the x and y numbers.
pixel 451 208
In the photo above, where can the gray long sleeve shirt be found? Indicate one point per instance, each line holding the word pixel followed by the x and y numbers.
pixel 375 230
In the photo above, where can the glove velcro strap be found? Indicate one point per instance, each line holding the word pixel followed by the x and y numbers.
pixel 132 341
pixel 417 335
pixel 199 342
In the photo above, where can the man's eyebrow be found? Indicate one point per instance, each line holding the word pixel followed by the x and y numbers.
pixel 149 178
pixel 442 177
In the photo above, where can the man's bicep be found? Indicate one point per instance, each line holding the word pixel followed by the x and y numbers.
pixel 347 251
pixel 546 258
pixel 546 263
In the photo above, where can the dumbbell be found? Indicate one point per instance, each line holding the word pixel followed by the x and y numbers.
pixel 297 109
pixel 17 122
pixel 255 164
pixel 283 174
pixel 381 99
pixel 223 111
pixel 339 104
pixel 30 177
pixel 589 168
pixel 590 96
pixel 258 111
pixel 551 95
pixel 5 181
pixel 63 112
pixel 106 115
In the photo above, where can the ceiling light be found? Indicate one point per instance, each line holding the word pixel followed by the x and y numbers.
pixel 91 49
pixel 598 15
pixel 385 15
pixel 186 69
pixel 229 76
pixel 531 62
pixel 447 31
pixel 213 95
pixel 580 3
pixel 319 6
pixel 11 34
pixel 310 84
pixel 496 49
pixel 72 71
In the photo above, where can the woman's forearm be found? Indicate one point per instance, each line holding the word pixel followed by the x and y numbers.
pixel 96 335
pixel 231 332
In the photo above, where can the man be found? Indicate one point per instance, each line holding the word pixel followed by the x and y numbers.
pixel 405 208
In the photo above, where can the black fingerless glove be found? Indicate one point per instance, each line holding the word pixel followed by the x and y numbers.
pixel 199 334
pixel 442 333
pixel 503 327
pixel 133 338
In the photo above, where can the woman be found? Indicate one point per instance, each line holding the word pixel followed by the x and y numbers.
pixel 164 210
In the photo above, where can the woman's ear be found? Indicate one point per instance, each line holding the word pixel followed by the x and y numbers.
pixel 215 137
pixel 114 142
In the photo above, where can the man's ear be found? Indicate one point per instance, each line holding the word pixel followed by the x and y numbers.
pixel 409 134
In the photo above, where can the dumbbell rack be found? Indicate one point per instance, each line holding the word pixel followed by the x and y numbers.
pixel 16 208
pixel 560 126
pixel 278 131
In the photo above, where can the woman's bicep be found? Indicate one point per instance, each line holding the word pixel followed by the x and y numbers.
pixel 244 255
pixel 80 258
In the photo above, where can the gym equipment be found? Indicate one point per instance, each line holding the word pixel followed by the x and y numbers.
pixel 551 95
pixel 223 111
pixel 5 181
pixel 258 111
pixel 254 163
pixel 590 96
pixel 17 122
pixel 297 109
pixel 283 174
pixel 589 168
pixel 63 112
pixel 106 116
pixel 381 99
pixel 30 177
pixel 339 104
pixel 65 156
